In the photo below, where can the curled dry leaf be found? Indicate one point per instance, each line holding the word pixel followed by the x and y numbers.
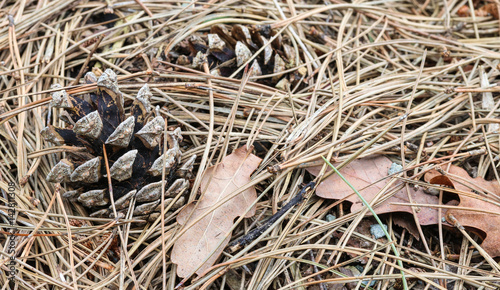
pixel 200 246
pixel 486 225
pixel 367 176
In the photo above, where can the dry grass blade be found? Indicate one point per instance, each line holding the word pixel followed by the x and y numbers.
pixel 414 81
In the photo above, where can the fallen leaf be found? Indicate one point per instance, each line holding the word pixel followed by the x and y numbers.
pixel 363 174
pixel 485 10
pixel 464 11
pixel 191 252
pixel 409 224
pixel 488 9
pixel 426 215
pixel 485 225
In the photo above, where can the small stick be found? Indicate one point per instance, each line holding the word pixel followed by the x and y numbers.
pixel 252 235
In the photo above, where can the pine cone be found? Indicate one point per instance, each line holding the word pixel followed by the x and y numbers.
pixel 226 51
pixel 134 147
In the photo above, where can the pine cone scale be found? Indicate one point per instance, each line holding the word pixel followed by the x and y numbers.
pixel 134 146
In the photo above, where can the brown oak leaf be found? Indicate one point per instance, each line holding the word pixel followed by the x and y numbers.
pixel 363 174
pixel 464 11
pixel 198 248
pixel 486 225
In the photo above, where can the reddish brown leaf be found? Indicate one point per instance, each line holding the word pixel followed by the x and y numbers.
pixel 192 250
pixel 439 179
pixel 360 241
pixel 485 225
pixel 485 10
pixel 360 173
pixel 365 172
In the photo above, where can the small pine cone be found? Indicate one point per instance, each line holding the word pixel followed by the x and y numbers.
pixel 134 147
pixel 226 50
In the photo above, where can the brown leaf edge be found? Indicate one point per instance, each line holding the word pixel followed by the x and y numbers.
pixel 198 248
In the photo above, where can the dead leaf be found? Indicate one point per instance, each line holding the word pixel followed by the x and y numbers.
pixel 355 241
pixel 485 225
pixel 488 9
pixel 464 11
pixel 409 224
pixel 485 10
pixel 362 174
pixel 199 241
pixel 426 215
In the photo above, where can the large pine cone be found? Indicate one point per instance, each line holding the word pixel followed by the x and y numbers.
pixel 226 50
pixel 134 148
